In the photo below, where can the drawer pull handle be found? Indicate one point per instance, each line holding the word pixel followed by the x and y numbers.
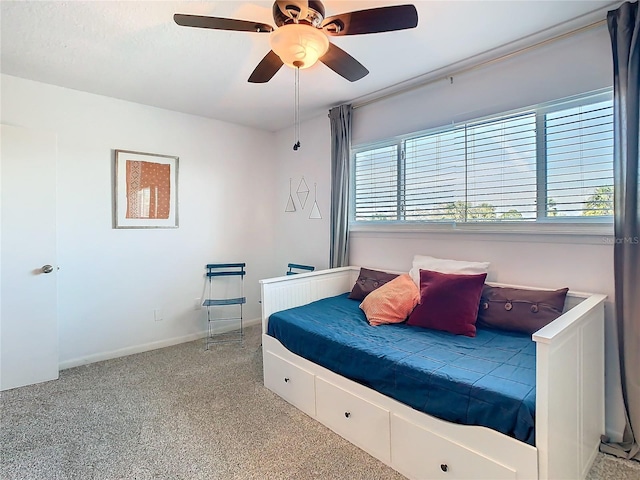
pixel 286 379
pixel 444 467
pixel 347 414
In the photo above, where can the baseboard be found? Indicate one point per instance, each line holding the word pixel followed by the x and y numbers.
pixel 146 347
pixel 589 463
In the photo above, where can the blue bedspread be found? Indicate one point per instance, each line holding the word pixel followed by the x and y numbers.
pixel 487 380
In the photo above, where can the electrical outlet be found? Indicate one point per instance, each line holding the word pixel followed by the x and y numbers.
pixel 157 315
pixel 197 305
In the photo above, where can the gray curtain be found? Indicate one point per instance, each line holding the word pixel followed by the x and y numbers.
pixel 340 119
pixel 624 28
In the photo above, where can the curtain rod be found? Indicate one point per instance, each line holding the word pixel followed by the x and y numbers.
pixel 476 66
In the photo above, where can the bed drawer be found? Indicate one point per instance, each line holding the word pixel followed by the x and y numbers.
pixel 419 454
pixel 359 421
pixel 291 382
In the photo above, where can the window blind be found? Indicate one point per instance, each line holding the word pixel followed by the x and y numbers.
pixel 501 169
pixel 579 153
pixel 434 176
pixel 554 160
pixel 376 184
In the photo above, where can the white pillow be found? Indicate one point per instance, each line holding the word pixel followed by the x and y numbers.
pixel 443 265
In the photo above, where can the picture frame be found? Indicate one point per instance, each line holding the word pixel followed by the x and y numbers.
pixel 145 190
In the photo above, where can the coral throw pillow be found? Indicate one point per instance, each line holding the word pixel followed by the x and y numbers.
pixel 448 302
pixel 392 302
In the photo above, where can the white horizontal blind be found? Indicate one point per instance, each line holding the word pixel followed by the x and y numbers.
pixel 579 153
pixel 376 184
pixel 546 163
pixel 501 169
pixel 434 176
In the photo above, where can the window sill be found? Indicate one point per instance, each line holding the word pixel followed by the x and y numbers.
pixel 577 232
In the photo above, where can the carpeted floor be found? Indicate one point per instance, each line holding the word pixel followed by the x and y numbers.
pixel 182 413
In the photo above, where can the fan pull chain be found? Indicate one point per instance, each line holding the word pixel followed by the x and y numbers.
pixel 296 115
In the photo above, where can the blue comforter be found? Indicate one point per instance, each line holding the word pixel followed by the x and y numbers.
pixel 487 380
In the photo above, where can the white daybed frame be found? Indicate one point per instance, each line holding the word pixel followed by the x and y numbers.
pixel 569 397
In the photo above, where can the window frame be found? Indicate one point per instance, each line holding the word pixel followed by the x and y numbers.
pixel 543 224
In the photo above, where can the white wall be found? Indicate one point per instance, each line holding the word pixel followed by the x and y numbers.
pixel 299 238
pixel 110 280
pixel 574 65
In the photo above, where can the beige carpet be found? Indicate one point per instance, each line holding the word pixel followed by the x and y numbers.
pixel 182 413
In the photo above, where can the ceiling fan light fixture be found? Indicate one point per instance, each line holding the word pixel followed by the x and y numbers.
pixel 299 45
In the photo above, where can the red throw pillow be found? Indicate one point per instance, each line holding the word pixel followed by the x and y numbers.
pixel 448 302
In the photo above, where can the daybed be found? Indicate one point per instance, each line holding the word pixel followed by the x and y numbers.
pixel 569 397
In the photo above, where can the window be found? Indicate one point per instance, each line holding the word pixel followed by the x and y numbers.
pixel 551 163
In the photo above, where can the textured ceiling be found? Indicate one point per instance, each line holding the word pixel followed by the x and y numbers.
pixel 134 51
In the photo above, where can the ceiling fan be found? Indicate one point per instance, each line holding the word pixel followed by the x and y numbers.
pixel 301 38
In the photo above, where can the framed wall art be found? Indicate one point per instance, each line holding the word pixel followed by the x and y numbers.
pixel 146 190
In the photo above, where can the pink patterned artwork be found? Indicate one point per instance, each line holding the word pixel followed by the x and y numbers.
pixel 148 189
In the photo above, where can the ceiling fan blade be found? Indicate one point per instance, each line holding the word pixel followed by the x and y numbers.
pixel 373 20
pixel 218 23
pixel 343 64
pixel 266 69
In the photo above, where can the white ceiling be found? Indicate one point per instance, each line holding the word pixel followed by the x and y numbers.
pixel 133 50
